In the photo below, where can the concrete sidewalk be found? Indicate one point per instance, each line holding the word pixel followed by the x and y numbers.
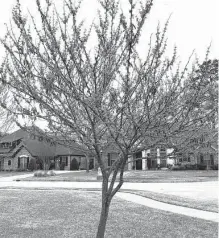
pixel 210 216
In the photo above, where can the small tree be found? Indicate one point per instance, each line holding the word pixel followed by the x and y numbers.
pixel 101 95
pixel 74 164
pixel 32 164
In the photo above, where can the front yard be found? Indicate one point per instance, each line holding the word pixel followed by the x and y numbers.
pixel 157 176
pixel 71 213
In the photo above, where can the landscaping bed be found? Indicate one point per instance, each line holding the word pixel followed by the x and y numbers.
pixel 67 213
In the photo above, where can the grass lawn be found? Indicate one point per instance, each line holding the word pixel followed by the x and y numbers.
pixel 211 206
pixel 71 213
pixel 158 176
pixel 168 176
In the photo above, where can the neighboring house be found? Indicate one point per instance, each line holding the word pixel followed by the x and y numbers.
pixel 203 151
pixel 19 147
pixel 149 159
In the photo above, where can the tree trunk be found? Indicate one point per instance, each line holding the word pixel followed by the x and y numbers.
pixel 87 164
pixel 104 209
pixel 103 220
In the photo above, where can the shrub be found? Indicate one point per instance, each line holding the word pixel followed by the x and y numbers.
pixel 178 167
pixel 201 166
pixel 62 166
pixel 190 166
pixel 51 173
pixel 32 165
pixel 214 167
pixel 74 165
pixel 20 170
pixel 40 173
pixel 52 166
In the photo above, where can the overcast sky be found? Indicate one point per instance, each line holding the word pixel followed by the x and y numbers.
pixel 193 25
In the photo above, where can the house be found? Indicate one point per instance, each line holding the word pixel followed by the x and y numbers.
pixel 203 151
pixel 149 158
pixel 20 147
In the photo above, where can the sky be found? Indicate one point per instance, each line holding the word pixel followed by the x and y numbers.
pixel 193 24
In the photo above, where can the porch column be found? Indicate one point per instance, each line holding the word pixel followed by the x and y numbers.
pixel 130 158
pixel 144 164
pixel 69 162
pixel 144 160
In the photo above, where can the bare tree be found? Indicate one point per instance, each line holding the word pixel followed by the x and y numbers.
pixel 6 118
pixel 100 95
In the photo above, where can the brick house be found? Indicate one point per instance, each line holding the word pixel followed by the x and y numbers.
pixel 19 147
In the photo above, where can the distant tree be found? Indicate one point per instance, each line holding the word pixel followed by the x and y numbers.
pixel 206 80
pixel 103 94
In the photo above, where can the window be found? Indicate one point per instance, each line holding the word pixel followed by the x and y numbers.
pixel 212 159
pixel 201 159
pixel 28 162
pixel 19 162
pixel 108 157
pixel 9 163
pixel 66 161
pixel 60 160
pixel 189 159
pixel 180 159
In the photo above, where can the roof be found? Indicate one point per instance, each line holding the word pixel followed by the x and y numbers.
pixel 20 134
pixel 39 149
pixel 74 149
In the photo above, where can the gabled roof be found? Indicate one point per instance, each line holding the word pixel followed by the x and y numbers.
pixel 74 149
pixel 39 149
pixel 20 134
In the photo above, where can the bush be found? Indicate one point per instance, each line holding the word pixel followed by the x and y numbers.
pixel 32 165
pixel 201 166
pixel 178 167
pixel 190 166
pixel 74 165
pixel 40 173
pixel 52 166
pixel 62 166
pixel 214 167
pixel 20 170
pixel 51 173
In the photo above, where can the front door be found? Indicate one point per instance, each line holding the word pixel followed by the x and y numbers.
pixel 139 164
pixel 212 159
